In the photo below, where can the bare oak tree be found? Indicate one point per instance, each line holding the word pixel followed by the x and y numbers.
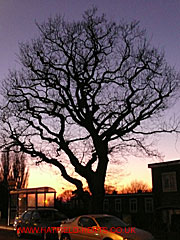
pixel 87 89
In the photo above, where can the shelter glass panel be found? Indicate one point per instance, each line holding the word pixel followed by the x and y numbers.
pixel 40 199
pixel 22 203
pixel 32 200
pixel 49 201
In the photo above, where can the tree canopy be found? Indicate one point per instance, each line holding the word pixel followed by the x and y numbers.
pixel 87 89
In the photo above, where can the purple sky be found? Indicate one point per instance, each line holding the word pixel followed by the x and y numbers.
pixel 161 18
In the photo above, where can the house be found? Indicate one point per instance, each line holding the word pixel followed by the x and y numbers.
pixel 166 194
pixel 136 209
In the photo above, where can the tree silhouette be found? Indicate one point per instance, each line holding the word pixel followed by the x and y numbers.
pixel 13 169
pixel 87 89
pixel 136 186
pixel 66 195
pixel 13 175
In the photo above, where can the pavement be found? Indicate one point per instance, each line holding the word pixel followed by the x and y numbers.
pixel 4 225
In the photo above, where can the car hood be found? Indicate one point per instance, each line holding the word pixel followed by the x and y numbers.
pixel 135 234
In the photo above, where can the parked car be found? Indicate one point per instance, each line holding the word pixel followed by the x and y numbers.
pixel 40 222
pixel 102 227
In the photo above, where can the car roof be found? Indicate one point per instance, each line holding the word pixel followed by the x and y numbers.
pixel 47 209
pixel 96 215
pixel 41 209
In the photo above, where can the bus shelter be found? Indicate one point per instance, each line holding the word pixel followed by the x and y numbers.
pixel 21 200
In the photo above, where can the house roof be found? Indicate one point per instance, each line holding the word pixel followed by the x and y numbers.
pixel 129 194
pixel 164 164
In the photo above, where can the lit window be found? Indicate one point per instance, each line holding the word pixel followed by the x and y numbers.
pixel 148 205
pixel 133 205
pixel 169 182
pixel 40 201
pixel 31 200
pixel 106 205
pixel 118 206
pixel 49 202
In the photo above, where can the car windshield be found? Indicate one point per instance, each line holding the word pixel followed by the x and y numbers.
pixel 110 221
pixel 51 215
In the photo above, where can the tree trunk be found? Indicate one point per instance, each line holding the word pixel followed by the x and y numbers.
pixel 96 205
pixel 98 193
pixel 96 184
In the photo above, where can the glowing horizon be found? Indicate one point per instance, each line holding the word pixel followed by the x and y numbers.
pixel 49 176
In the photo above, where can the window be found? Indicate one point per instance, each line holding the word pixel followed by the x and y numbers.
pixel 118 205
pixel 40 199
pixel 27 216
pixel 31 200
pixel 22 203
pixel 110 221
pixel 35 216
pixel 148 205
pixel 51 215
pixel 49 202
pixel 86 222
pixel 106 205
pixel 133 205
pixel 46 214
pixel 169 182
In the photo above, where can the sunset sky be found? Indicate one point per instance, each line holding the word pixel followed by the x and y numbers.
pixel 161 19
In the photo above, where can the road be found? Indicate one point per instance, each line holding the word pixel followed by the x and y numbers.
pixel 11 235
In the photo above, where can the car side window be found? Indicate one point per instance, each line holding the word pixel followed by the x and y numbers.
pixel 27 216
pixel 35 215
pixel 59 216
pixel 86 222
